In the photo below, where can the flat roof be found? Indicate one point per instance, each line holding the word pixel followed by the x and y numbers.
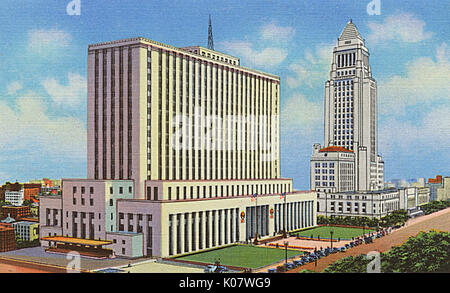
pixel 15 207
pixel 135 40
pixel 26 223
pixel 124 233
pixel 73 240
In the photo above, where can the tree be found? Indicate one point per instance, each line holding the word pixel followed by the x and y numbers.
pixel 4 203
pixel 434 206
pixel 427 252
pixel 398 217
pixel 349 264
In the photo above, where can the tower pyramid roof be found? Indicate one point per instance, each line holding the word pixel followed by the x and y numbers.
pixel 350 32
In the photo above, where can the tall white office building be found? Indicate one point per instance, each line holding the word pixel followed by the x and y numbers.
pixel 350 119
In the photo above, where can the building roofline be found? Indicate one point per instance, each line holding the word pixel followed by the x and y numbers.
pixel 137 40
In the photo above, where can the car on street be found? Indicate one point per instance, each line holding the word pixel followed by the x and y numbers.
pixel 210 269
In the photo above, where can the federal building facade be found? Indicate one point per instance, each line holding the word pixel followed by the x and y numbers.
pixel 183 154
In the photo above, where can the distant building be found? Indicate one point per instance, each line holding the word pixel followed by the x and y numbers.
pixel 16 212
pixel 31 190
pixel 9 187
pixel 45 182
pixel 411 198
pixel 15 198
pixel 332 169
pixel 34 208
pixel 372 204
pixel 434 184
pixel 443 193
pixel 52 186
pixel 7 238
pixel 27 231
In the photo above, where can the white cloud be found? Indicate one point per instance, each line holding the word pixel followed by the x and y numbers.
pixel 403 27
pixel 71 94
pixel 273 32
pixel 429 136
pixel 13 87
pixel 267 50
pixel 26 127
pixel 298 114
pixel 313 69
pixel 43 41
pixel 426 82
pixel 265 58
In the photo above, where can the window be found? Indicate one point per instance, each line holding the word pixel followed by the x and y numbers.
pixel 82 190
pixel 111 190
pixel 91 190
pixel 155 193
pixel 74 189
pixel 123 241
pixel 130 189
pixel 121 190
pixel 91 201
pixel 111 202
pixel 74 201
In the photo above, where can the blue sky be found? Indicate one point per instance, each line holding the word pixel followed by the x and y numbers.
pixel 43 77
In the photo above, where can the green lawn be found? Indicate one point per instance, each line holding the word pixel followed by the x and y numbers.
pixel 338 232
pixel 242 256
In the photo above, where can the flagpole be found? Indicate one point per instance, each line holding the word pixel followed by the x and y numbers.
pixel 285 218
pixel 256 218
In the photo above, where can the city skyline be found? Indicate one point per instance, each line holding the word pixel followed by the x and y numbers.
pixel 43 113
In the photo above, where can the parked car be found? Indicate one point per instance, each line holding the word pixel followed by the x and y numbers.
pixel 271 271
pixel 210 269
pixel 221 269
pixel 298 262
pixel 306 259
pixel 289 266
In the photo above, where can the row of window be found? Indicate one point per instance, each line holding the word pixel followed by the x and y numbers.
pixel 222 191
pixel 324 171
pixel 188 72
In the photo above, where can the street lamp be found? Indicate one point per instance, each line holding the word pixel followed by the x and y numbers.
pixel 285 250
pixel 256 218
pixel 331 239
pixel 315 259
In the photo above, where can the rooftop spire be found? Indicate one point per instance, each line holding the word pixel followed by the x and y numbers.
pixel 350 32
pixel 210 35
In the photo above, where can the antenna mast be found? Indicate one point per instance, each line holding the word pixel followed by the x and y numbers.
pixel 210 35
